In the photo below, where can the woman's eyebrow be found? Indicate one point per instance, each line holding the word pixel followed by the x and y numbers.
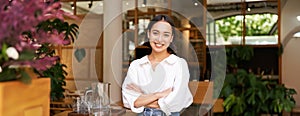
pixel 159 31
pixel 167 33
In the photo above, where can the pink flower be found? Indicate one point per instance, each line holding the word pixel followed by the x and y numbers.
pixel 51 37
pixel 20 36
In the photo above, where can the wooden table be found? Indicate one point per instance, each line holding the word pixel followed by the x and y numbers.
pixel 114 112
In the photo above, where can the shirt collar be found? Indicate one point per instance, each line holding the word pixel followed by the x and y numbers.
pixel 144 60
pixel 171 59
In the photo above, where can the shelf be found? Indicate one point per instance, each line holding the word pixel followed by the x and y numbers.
pixel 196 40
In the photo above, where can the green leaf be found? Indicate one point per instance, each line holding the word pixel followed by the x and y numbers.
pixel 25 78
pixel 57 75
pixel 4 48
pixel 27 55
pixel 8 75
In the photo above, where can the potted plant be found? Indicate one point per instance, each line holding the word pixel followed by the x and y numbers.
pixel 246 94
pixel 57 72
pixel 26 30
pixel 29 30
pixel 238 54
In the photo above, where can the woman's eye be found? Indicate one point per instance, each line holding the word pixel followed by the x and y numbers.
pixel 166 35
pixel 155 33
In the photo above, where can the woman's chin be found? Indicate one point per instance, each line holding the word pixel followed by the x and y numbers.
pixel 158 50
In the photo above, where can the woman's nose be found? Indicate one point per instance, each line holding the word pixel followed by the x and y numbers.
pixel 160 38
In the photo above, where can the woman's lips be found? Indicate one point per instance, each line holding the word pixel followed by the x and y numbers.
pixel 158 45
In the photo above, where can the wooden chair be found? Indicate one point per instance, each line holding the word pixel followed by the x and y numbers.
pixel 63 105
pixel 295 111
pixel 218 106
pixel 202 96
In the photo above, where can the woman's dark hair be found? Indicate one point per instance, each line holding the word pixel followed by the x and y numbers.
pixel 155 20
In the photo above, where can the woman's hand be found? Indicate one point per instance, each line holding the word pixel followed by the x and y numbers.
pixel 164 93
pixel 153 104
pixel 149 100
pixel 134 87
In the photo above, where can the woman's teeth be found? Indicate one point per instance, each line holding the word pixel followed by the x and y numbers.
pixel 158 45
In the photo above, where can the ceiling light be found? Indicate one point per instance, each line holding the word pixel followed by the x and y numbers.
pixel 143 5
pixel 297 35
pixel 72 6
pixel 248 9
pixel 298 18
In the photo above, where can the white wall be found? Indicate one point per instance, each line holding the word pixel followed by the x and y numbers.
pixel 291 54
pixel 112 49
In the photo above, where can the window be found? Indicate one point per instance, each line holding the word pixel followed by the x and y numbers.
pixel 248 23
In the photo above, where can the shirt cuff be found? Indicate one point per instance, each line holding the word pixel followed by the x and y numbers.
pixel 137 110
pixel 164 107
pixel 134 109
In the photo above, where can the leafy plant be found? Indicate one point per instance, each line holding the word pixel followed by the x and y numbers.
pixel 57 72
pixel 29 32
pixel 21 37
pixel 256 24
pixel 281 98
pixel 57 75
pixel 237 54
pixel 260 24
pixel 246 94
pixel 230 26
pixel 70 30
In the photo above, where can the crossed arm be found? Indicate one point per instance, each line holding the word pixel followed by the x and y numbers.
pixel 148 100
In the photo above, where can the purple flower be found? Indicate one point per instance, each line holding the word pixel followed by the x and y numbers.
pixel 19 33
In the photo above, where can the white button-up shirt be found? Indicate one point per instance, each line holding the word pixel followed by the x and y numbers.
pixel 172 72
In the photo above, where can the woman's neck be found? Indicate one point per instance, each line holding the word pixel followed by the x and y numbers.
pixel 155 58
pixel 158 57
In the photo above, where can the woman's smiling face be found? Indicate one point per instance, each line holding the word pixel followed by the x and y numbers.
pixel 160 36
